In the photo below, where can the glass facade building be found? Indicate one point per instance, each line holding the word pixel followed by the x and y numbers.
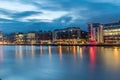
pixel 111 32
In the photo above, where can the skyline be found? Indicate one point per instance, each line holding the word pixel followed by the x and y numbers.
pixel 28 15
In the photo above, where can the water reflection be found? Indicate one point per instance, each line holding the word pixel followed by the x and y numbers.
pixel 41 50
pixel 74 62
pixel 49 51
pixel 81 52
pixel 19 53
pixel 78 49
pixel 27 51
pixel 74 52
pixel 1 54
pixel 116 56
pixel 60 52
pixel 92 52
pixel 111 57
pixel 33 51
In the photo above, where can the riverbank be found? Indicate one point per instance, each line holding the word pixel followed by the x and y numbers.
pixel 65 44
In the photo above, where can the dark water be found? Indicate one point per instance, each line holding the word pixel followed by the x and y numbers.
pixel 59 63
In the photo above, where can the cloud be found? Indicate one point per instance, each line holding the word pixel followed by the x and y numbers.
pixel 46 16
pixel 2 16
pixel 16 6
pixel 115 2
pixel 56 13
pixel 25 14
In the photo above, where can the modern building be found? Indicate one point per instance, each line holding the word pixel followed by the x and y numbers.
pixel 31 38
pixel 5 39
pixel 44 37
pixel 19 38
pixel 95 32
pixel 9 38
pixel 69 35
pixel 111 32
pixel 84 36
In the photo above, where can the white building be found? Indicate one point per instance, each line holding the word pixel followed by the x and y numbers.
pixel 96 32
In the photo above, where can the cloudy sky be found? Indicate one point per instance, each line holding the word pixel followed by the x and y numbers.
pixel 35 15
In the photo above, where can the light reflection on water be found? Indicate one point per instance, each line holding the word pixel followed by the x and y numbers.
pixel 1 54
pixel 40 50
pixel 60 52
pixel 59 63
pixel 92 51
pixel 49 52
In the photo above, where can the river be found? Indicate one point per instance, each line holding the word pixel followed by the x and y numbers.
pixel 59 63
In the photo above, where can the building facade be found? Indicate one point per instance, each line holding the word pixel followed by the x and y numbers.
pixel 44 37
pixel 31 38
pixel 95 32
pixel 111 32
pixel 72 35
pixel 19 38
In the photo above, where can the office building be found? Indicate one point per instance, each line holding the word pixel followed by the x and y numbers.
pixel 95 32
pixel 67 35
pixel 30 38
pixel 111 32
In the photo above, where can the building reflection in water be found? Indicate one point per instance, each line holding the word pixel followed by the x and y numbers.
pixel 26 50
pixel 81 51
pixel 49 51
pixel 60 52
pixel 111 58
pixel 116 56
pixel 16 51
pixel 41 50
pixel 1 54
pixel 78 50
pixel 74 52
pixel 92 52
pixel 19 53
pixel 33 51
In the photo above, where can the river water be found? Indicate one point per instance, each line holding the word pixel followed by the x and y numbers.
pixel 59 63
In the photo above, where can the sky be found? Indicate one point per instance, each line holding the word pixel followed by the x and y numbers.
pixel 36 15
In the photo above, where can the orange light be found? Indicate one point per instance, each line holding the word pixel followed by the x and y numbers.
pixel 74 52
pixel 60 52
pixel 116 55
pixel 81 52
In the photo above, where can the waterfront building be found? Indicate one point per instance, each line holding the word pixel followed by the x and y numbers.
pixel 111 32
pixel 19 38
pixel 37 37
pixel 84 36
pixel 107 33
pixel 10 38
pixel 44 37
pixel 67 35
pixel 30 38
pixel 95 32
pixel 5 39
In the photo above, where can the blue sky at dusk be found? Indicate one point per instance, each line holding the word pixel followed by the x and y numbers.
pixel 35 15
